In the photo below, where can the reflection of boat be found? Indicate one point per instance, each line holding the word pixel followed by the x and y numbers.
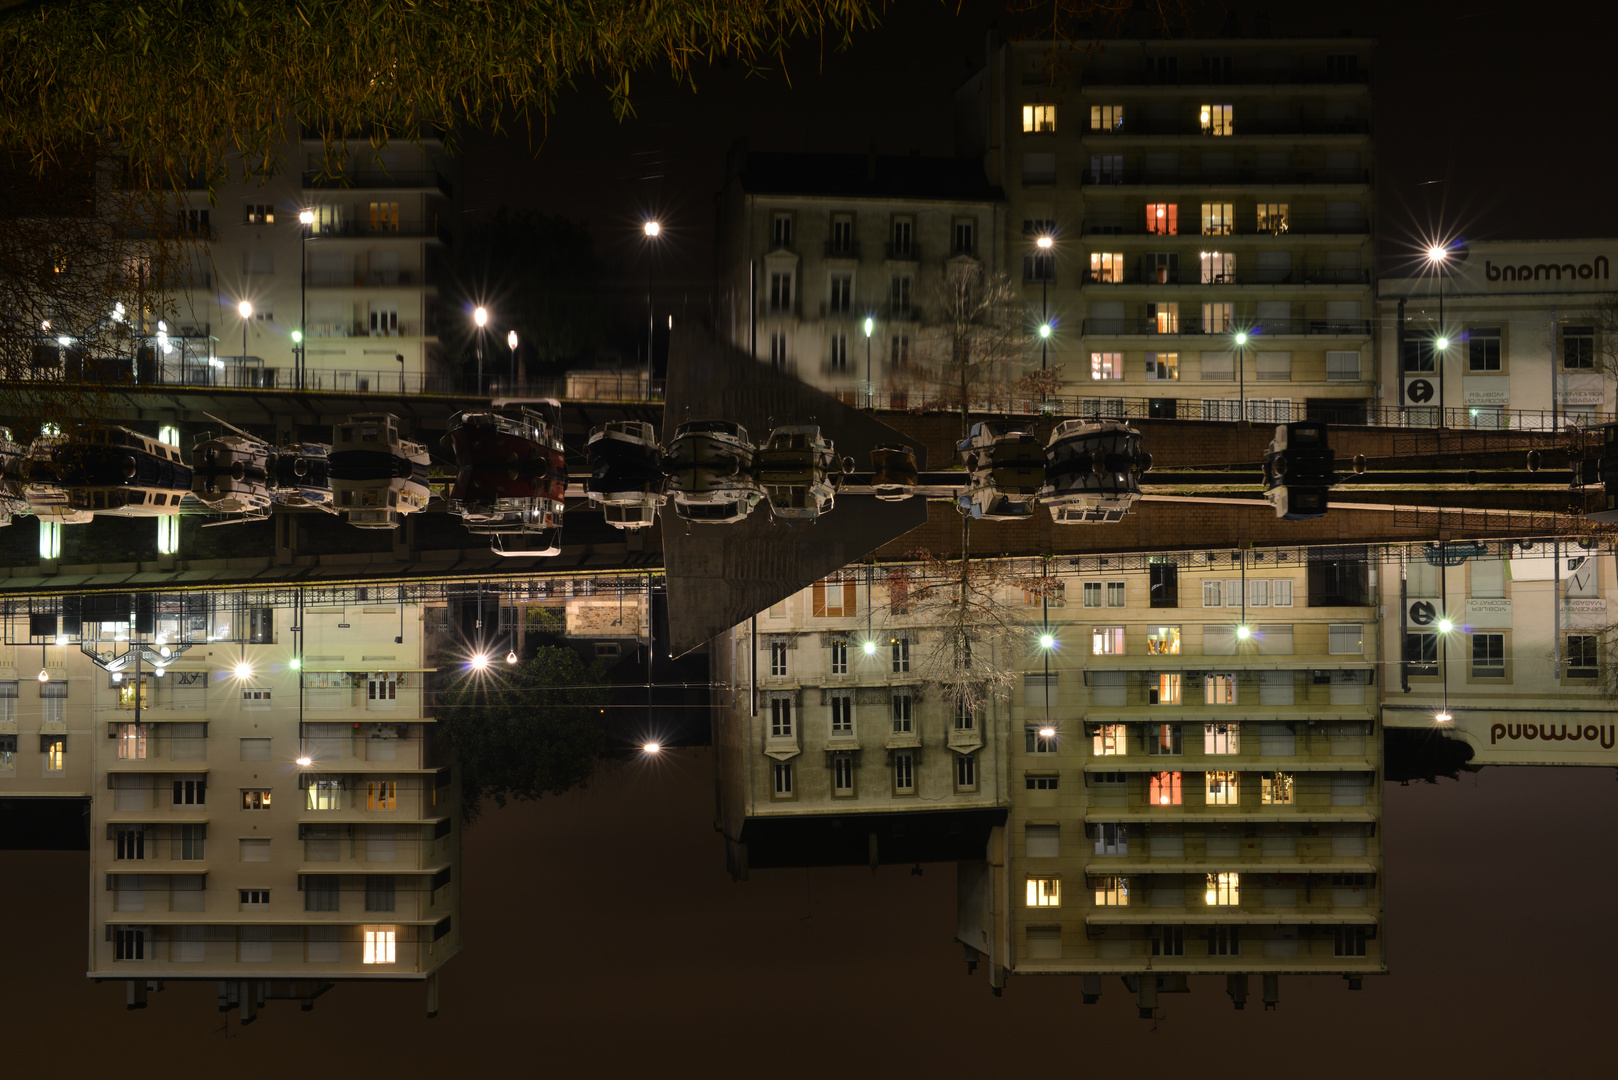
pixel 303 475
pixel 511 475
pixel 710 472
pixel 13 472
pixel 1005 466
pixel 109 470
pixel 798 470
pixel 626 473
pixel 233 472
pixel 376 477
pixel 1092 471
pixel 894 476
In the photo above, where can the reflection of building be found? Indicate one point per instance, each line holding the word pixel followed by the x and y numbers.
pixel 1520 331
pixel 237 832
pixel 1508 638
pixel 1193 189
pixel 811 245
pixel 1192 784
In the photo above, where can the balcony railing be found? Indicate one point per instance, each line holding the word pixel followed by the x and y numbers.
pixel 850 250
pixel 1193 77
pixel 1216 177
pixel 1143 273
pixel 1138 125
pixel 910 252
pixel 1294 226
pixel 394 230
pixel 1191 324
pixel 373 279
pixel 378 179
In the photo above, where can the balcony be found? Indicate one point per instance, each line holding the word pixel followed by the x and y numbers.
pixel 1189 175
pixel 1143 273
pixel 1313 76
pixel 380 180
pixel 417 229
pixel 850 250
pixel 901 252
pixel 383 279
pixel 1137 125
pixel 1191 324
pixel 326 331
pixel 1294 226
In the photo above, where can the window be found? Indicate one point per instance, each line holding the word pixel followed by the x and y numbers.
pixel 842 293
pixel 1416 354
pixel 842 775
pixel 1217 219
pixel 380 946
pixel 1582 658
pixel 1039 268
pixel 255 697
pixel 783 779
pixel 325 795
pixel 1048 593
pixel 130 943
pixel 1225 941
pixel 778 659
pixel 901 236
pixel 1223 789
pixel 131 742
pixel 1107 268
pixel 1039 119
pixel 1163 317
pixel 1106 366
pixel 1044 892
pixel 781 718
pixel 1217 267
pixel 839 656
pixel 1345 639
pixel 1036 743
pixel 1213 592
pixel 899 354
pixel 900 648
pixel 1163 219
pixel 834 600
pixel 904 774
pixel 1483 349
pixel 1223 890
pixel 965 718
pixel 1112 839
pixel 842 235
pixel 254 897
pixel 382 795
pixel 1342 365
pixel 379 892
pixel 1168 941
pixel 1489 656
pixel 1165 592
pixel 260 214
pixel 1115 594
pixel 1106 118
pixel 963 238
pixel 781 231
pixel 1219 689
pixel 1163 640
pixel 1421 653
pixel 1040 781
pixel 1272 218
pixel 1578 348
pixel 899 294
pixel 1164 739
pixel 1219 366
pixel 1163 789
pixel 1350 940
pixel 129 844
pixel 903 721
pixel 1275 789
pixel 1162 367
pixel 320 893
pixel 1107 641
pixel 1163 688
pixel 1221 739
pixel 1092 594
pixel 1218 318
pixel 1111 740
pixel 8 753
pixel 1216 120
pixel 256 799
pixel 1106 168
pixel 780 292
pixel 842 715
pixel 966 772
pixel 1281 592
pixel 190 792
pixel 193 841
pixel 54 705
pixel 1112 891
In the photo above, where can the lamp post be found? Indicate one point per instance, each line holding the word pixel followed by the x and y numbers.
pixel 870 387
pixel 653 229
pixel 245 308
pixel 306 221
pixel 511 343
pixel 480 316
pixel 1241 380
pixel 1438 259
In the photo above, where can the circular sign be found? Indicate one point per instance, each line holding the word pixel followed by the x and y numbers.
pixel 1419 390
pixel 1422 612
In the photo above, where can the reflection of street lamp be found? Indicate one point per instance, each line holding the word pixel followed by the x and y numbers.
pixel 246 310
pixel 653 230
pixel 1241 383
pixel 306 220
pixel 870 387
pixel 1042 261
pixel 511 343
pixel 480 316
pixel 1438 259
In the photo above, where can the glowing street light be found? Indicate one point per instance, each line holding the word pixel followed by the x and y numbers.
pixel 1044 330
pixel 511 657
pixel 117 676
pixel 1445 626
pixel 159 671
pixel 480 316
pixel 480 662
pixel 1047 733
pixel 870 387
pixel 1244 632
pixel 306 217
pixel 1437 253
pixel 1043 243
pixel 870 648
pixel 245 309
pixel 244 670
pixel 1047 641
pixel 1443 718
pixel 1442 343
pixel 294 664
pixel 44 676
pixel 652 748
pixel 306 761
pixel 652 228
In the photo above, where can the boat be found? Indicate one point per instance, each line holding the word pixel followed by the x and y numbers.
pixel 710 472
pixel 893 473
pixel 626 473
pixel 13 476
pixel 799 471
pixel 302 475
pixel 511 474
pixel 106 470
pixel 232 472
pixel 376 476
pixel 1092 471
pixel 1005 468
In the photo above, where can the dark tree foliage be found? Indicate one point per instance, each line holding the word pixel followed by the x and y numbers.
pixel 525 732
pixel 538 275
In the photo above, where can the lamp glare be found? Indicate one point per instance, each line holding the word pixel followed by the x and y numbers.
pixel 652 228
pixel 652 747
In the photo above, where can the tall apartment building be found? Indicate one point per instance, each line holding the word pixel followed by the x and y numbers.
pixel 1210 210
pixel 1503 645
pixel 360 279
pixel 1500 334
pixel 274 838
pixel 814 248
pixel 1190 772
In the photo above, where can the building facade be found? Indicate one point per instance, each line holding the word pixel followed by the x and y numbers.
pixel 1209 206
pixel 1500 334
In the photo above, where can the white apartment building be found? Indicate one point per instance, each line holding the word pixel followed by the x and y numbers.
pixel 1210 209
pixel 1509 640
pixel 812 248
pixel 243 829
pixel 359 280
pixel 1499 334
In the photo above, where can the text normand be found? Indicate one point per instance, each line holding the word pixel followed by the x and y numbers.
pixel 1607 734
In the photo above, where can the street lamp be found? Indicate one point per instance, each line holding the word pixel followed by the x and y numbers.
pixel 870 387
pixel 1241 378
pixel 480 316
pixel 511 343
pixel 653 229
pixel 306 221
pixel 1438 259
pixel 1042 262
pixel 245 308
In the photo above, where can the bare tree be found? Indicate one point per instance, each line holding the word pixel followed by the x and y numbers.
pixel 979 344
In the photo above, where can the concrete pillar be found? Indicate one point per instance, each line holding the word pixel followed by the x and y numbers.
pixel 432 995
pixel 1090 987
pixel 249 1001
pixel 1146 996
pixel 135 994
pixel 1272 991
pixel 1236 987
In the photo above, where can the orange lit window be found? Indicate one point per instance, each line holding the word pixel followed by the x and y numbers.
pixel 1164 789
pixel 1163 219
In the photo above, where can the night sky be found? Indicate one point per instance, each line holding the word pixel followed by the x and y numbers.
pixel 602 930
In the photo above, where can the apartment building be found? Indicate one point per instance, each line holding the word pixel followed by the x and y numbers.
pixel 267 809
pixel 833 265
pixel 1499 334
pixel 1503 645
pixel 1189 760
pixel 1193 218
pixel 359 280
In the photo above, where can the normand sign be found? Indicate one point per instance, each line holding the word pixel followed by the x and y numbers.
pixel 1594 270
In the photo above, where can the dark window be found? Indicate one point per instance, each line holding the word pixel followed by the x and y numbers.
pixel 1416 353
pixel 1489 656
pixel 320 892
pixel 1351 940
pixel 1168 941
pixel 1578 348
pixel 1038 268
pixel 963 238
pixel 1165 585
pixel 1340 580
pixel 1582 662
pixel 1421 654
pixel 1040 782
pixel 1483 349
pixel 1343 67
pixel 379 892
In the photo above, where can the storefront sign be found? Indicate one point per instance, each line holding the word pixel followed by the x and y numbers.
pixel 1525 272
pixel 1606 734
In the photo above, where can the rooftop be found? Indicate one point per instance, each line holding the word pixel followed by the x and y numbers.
pixel 866 175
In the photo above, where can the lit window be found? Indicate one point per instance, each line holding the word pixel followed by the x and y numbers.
pixel 131 742
pixel 1163 688
pixel 1164 789
pixel 55 750
pixel 1219 689
pixel 380 946
pixel 1106 118
pixel 1163 219
pixel 1275 789
pixel 1044 892
pixel 1223 890
pixel 1218 267
pixel 1272 218
pixel 1163 640
pixel 1107 268
pixel 256 800
pixel 325 795
pixel 1221 739
pixel 1111 740
pixel 1107 641
pixel 1223 789
pixel 1215 120
pixel 382 795
pixel 1112 891
pixel 1106 366
pixel 1218 317
pixel 1039 119
pixel 1163 317
pixel 1162 367
pixel 1217 219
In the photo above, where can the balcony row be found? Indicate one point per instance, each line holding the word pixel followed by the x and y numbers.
pixel 1284 226
pixel 1101 175
pixel 1191 325
pixel 1135 124
pixel 381 180
pixel 1149 271
pixel 326 279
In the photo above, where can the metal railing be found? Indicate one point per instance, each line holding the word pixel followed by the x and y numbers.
pixel 1192 324
pixel 1293 225
pixel 375 278
pixel 1093 177
pixel 390 230
pixel 1195 77
pixel 380 179
pixel 1144 273
pixel 1136 125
